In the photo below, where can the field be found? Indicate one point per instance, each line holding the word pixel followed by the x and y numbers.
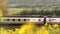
pixel 30 28
pixel 12 11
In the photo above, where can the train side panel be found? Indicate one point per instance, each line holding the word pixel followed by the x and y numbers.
pixel 53 20
pixel 22 20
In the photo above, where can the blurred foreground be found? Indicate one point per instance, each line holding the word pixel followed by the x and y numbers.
pixel 30 28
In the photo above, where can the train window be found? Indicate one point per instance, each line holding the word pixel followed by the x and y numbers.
pixel 39 19
pixel 49 19
pixel 13 19
pixel 7 19
pixel 24 19
pixel 18 19
pixel 28 19
pixel 53 19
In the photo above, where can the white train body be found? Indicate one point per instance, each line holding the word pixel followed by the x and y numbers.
pixel 30 19
pixel 21 20
pixel 34 19
pixel 53 20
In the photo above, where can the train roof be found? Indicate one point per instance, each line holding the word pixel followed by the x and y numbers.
pixel 25 16
pixel 38 16
pixel 53 16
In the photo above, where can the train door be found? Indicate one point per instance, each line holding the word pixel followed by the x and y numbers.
pixel 45 20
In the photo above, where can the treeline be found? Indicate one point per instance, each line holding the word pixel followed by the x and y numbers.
pixel 39 12
pixel 28 6
pixel 33 6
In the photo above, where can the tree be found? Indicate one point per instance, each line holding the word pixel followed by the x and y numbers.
pixel 57 12
pixel 33 12
pixel 24 12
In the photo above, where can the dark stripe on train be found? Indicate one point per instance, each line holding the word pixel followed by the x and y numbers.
pixel 24 16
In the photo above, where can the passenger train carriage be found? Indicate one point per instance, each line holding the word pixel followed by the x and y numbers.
pixel 22 19
pixel 34 19
pixel 52 20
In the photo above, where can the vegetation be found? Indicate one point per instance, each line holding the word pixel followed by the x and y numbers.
pixel 39 12
pixel 32 28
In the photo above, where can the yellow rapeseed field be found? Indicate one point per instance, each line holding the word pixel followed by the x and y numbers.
pixel 31 28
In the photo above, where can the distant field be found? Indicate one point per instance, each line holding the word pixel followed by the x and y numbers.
pixel 17 10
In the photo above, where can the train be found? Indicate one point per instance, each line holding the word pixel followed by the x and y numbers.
pixel 34 19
